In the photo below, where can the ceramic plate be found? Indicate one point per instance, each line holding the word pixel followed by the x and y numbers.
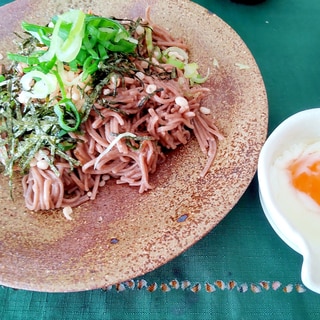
pixel 122 234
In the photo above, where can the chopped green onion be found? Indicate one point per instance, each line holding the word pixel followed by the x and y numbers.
pixel 43 86
pixel 175 62
pixel 60 81
pixel 89 67
pixel 65 145
pixel 41 33
pixel 149 43
pixel 177 53
pixel 24 59
pixel 191 72
pixel 61 114
pixel 66 46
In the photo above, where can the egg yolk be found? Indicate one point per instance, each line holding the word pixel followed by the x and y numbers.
pixel 305 175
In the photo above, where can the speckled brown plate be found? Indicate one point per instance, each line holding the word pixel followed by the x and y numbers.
pixel 123 234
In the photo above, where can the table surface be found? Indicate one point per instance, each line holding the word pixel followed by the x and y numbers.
pixel 241 269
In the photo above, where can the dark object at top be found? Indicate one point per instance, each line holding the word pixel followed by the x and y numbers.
pixel 251 2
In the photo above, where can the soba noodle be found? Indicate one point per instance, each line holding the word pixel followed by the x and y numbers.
pixel 148 113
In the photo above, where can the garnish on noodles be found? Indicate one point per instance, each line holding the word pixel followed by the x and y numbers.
pixel 88 98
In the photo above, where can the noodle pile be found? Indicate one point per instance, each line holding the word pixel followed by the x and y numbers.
pixel 136 118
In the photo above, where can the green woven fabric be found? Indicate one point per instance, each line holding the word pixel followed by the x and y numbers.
pixel 241 269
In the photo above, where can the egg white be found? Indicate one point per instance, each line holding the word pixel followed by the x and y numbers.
pixel 299 208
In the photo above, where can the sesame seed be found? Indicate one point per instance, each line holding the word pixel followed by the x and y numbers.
pixel 205 110
pixel 181 101
pixel 151 88
pixel 144 64
pixel 105 177
pixel 43 164
pixel 140 30
pixel 102 183
pixel 140 75
pixel 106 91
pixel 66 212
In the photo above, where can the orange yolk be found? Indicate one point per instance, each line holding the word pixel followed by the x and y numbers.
pixel 305 175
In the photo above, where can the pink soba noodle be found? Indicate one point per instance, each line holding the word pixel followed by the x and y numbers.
pixel 135 119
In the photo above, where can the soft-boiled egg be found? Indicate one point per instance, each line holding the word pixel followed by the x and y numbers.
pixel 289 188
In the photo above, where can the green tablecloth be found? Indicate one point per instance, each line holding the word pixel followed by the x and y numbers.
pixel 241 269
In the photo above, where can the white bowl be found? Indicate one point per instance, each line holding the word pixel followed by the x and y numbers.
pixel 300 231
